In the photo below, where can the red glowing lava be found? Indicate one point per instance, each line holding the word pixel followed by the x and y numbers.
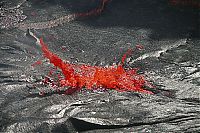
pixel 91 77
pixel 39 62
pixel 190 3
pixel 95 11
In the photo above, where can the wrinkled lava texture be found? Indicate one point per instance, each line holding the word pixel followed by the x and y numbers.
pixel 88 58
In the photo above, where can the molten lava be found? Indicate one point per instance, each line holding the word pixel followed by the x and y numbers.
pixel 91 77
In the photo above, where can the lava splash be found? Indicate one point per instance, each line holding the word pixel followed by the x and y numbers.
pixel 78 76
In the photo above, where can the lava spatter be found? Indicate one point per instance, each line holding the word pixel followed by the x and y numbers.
pixel 78 76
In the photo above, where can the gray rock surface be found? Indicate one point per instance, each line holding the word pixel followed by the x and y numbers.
pixel 170 60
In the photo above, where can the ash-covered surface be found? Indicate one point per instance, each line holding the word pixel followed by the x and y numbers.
pixel 170 60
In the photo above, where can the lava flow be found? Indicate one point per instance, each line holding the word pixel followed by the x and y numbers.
pixel 78 76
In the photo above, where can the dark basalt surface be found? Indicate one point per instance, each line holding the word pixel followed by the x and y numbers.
pixel 170 60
